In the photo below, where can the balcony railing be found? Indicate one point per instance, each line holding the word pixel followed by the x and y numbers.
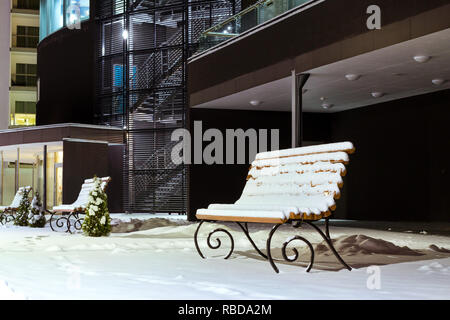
pixel 26 4
pixel 25 41
pixel 24 80
pixel 259 13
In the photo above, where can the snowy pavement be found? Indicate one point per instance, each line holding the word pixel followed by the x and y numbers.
pixel 162 263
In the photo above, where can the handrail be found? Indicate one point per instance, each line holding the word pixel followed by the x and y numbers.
pixel 238 25
pixel 234 17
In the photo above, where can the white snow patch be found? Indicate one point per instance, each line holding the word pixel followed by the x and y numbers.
pixel 162 263
pixel 7 293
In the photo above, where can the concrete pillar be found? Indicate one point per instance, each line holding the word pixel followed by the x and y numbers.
pixel 5 71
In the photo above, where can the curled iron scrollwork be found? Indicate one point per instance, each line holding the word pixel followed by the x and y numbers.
pixel 6 217
pixel 296 254
pixel 210 243
pixel 66 223
pixel 284 250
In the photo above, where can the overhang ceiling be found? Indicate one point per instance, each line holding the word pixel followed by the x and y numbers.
pixel 391 70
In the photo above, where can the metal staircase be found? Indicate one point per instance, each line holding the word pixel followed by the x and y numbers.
pixel 158 182
pixel 161 69
pixel 150 100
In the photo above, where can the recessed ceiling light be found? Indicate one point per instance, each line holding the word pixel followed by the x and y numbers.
pixel 327 106
pixel 255 102
pixel 377 94
pixel 438 82
pixel 421 58
pixel 352 76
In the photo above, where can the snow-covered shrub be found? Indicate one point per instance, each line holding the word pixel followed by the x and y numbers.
pixel 97 222
pixel 36 215
pixel 21 217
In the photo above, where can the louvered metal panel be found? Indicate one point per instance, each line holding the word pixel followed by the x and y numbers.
pixel 141 86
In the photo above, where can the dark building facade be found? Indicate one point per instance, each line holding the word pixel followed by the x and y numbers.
pixel 125 66
pixel 399 170
pixel 149 68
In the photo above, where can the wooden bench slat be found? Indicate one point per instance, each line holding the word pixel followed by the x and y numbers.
pixel 298 169
pixel 346 147
pixel 300 183
pixel 335 157
pixel 306 178
pixel 294 190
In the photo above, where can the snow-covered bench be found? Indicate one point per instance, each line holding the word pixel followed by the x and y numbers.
pixel 286 186
pixel 71 212
pixel 7 212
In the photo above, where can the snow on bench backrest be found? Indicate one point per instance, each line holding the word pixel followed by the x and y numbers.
pixel 18 197
pixel 301 180
pixel 86 189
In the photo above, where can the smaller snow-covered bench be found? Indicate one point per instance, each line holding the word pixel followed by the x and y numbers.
pixel 286 186
pixel 69 211
pixel 7 212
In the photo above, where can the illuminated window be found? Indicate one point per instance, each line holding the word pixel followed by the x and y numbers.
pixel 24 115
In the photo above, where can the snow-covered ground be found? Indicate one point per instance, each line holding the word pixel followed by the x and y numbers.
pixel 162 263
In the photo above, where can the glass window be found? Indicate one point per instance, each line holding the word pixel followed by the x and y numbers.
pixel 27 37
pixel 24 114
pixel 25 75
pixel 26 4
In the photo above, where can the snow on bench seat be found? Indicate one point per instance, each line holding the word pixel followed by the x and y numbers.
pixel 299 183
pixel 82 200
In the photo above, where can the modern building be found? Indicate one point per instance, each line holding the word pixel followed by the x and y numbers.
pixel 18 93
pixel 375 73
pixel 120 64
pixel 54 160
pixel 125 67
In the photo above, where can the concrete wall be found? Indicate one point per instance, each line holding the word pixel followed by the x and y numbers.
pixel 5 40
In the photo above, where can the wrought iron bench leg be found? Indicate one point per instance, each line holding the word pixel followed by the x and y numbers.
pixel 328 240
pixel 244 228
pixel 217 240
pixel 246 232
pixel 7 216
pixel 59 222
pixel 78 224
pixel 283 250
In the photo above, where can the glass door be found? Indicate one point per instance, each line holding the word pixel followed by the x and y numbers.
pixel 58 181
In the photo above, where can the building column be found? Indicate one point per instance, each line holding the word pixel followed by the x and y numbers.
pixel 44 192
pixel 298 82
pixel 17 174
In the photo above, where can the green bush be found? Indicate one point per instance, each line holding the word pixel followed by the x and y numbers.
pixel 21 217
pixel 97 222
pixel 36 216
